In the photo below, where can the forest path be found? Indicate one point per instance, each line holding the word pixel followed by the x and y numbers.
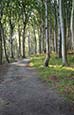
pixel 23 93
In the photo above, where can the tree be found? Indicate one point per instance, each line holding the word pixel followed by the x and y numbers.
pixel 1 13
pixel 72 24
pixel 4 41
pixel 0 43
pixel 64 61
pixel 46 62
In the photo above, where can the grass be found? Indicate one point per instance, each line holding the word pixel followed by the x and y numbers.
pixel 56 74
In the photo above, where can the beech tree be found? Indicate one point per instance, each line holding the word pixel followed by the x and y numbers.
pixel 1 14
pixel 46 34
pixel 72 24
pixel 64 61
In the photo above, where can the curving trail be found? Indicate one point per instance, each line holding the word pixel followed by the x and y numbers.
pixel 23 93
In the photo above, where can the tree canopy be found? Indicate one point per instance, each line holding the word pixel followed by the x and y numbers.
pixel 36 26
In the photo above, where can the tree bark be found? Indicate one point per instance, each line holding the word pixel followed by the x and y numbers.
pixel 72 24
pixel 24 24
pixel 59 37
pixel 46 62
pixel 35 40
pixel 39 34
pixel 1 50
pixel 64 61
pixel 7 59
pixel 19 36
pixel 29 48
pixel 0 43
pixel 55 27
pixel 11 35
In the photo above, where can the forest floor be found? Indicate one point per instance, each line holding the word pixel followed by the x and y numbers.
pixel 22 92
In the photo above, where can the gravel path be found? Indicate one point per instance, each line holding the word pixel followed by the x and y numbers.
pixel 23 93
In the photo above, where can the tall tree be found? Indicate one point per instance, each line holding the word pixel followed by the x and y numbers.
pixel 72 24
pixel 1 13
pixel 64 61
pixel 4 41
pixel 46 62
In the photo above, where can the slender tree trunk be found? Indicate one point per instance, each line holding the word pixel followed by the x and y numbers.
pixel 43 40
pixel 39 33
pixel 72 24
pixel 5 45
pixel 29 48
pixel 59 37
pixel 35 44
pixel 24 24
pixel 46 62
pixel 19 35
pixel 0 43
pixel 35 40
pixel 51 41
pixel 24 28
pixel 65 36
pixel 11 35
pixel 42 37
pixel 55 26
pixel 69 41
pixel 55 41
pixel 40 44
pixel 1 50
pixel 12 55
pixel 64 61
pixel 59 46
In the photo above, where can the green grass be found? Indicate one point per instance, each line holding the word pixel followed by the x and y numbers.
pixel 64 75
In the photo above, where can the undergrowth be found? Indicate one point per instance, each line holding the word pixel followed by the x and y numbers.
pixel 61 77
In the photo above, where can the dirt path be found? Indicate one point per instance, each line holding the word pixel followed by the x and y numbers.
pixel 23 93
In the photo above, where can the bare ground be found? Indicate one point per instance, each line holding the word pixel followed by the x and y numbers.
pixel 23 93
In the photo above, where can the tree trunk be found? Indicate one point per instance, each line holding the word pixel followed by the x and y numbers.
pixel 72 24
pixel 64 61
pixel 55 41
pixel 5 45
pixel 35 40
pixel 29 48
pixel 39 33
pixel 0 43
pixel 59 37
pixel 55 27
pixel 43 40
pixel 42 36
pixel 24 24
pixel 59 46
pixel 19 35
pixel 46 62
pixel 11 35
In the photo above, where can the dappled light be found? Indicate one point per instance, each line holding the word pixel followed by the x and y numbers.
pixel 36 57
pixel 19 64
pixel 60 67
pixel 61 76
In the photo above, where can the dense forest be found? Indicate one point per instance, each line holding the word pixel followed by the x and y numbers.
pixel 36 57
pixel 30 27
